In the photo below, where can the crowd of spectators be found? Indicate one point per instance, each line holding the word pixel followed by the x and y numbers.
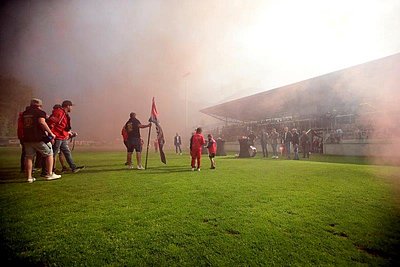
pixel 333 134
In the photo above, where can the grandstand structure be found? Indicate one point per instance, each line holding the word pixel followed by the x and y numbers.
pixel 354 95
pixel 362 101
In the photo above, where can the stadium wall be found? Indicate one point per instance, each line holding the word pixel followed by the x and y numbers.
pixel 369 148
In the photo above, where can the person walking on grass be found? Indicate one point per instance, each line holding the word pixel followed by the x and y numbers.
pixel 212 150
pixel 178 143
pixel 20 134
pixel 60 155
pixel 197 142
pixel 60 124
pixel 36 138
pixel 132 127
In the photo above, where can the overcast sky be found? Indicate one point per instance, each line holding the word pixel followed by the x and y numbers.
pixel 111 57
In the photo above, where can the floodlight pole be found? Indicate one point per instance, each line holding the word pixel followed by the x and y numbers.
pixel 186 100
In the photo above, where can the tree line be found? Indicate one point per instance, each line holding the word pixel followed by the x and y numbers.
pixel 14 97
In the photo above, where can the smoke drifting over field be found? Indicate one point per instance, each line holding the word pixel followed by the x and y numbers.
pixel 112 57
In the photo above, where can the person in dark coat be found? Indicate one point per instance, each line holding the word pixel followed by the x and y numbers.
pixel 178 143
pixel 305 141
pixel 286 140
pixel 264 142
pixel 295 143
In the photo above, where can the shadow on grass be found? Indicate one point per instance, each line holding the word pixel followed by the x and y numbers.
pixel 166 169
pixel 13 176
pixel 24 181
pixel 149 170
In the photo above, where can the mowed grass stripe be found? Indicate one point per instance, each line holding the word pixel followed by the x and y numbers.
pixel 246 212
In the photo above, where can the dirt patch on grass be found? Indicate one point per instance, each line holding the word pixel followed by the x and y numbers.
pixel 211 221
pixel 370 251
pixel 232 232
pixel 335 232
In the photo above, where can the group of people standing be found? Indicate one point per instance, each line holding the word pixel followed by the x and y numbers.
pixel 286 140
pixel 133 142
pixel 45 136
pixel 197 142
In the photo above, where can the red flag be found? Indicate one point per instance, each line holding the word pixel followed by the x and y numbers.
pixel 160 134
pixel 154 112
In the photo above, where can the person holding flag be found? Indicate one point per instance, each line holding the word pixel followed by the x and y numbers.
pixel 160 134
pixel 132 127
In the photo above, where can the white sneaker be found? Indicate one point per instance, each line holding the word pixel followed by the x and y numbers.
pixel 31 180
pixel 140 167
pixel 193 169
pixel 130 167
pixel 198 169
pixel 52 176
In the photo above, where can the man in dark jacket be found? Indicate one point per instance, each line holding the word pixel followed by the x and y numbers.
pixel 264 142
pixel 132 127
pixel 295 142
pixel 305 144
pixel 36 138
pixel 286 140
pixel 178 143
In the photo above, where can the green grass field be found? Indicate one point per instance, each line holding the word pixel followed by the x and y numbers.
pixel 331 211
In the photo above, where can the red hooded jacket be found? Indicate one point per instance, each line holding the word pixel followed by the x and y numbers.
pixel 60 123
pixel 198 142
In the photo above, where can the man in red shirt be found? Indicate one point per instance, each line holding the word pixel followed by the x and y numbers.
pixel 197 144
pixel 124 134
pixel 60 124
pixel 212 149
pixel 20 133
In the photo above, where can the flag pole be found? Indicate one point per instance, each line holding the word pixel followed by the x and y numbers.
pixel 148 144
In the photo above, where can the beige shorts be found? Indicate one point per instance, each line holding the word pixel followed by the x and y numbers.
pixel 43 148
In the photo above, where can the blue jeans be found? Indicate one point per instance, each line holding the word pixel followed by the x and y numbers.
pixel 287 150
pixel 274 149
pixel 63 146
pixel 264 147
pixel 296 151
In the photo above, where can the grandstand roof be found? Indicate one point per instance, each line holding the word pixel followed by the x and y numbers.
pixel 371 84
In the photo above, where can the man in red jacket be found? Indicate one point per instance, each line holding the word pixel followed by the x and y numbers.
pixel 124 134
pixel 60 125
pixel 20 133
pixel 196 147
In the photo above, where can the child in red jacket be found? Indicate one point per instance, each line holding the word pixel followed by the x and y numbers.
pixel 212 149
pixel 196 146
